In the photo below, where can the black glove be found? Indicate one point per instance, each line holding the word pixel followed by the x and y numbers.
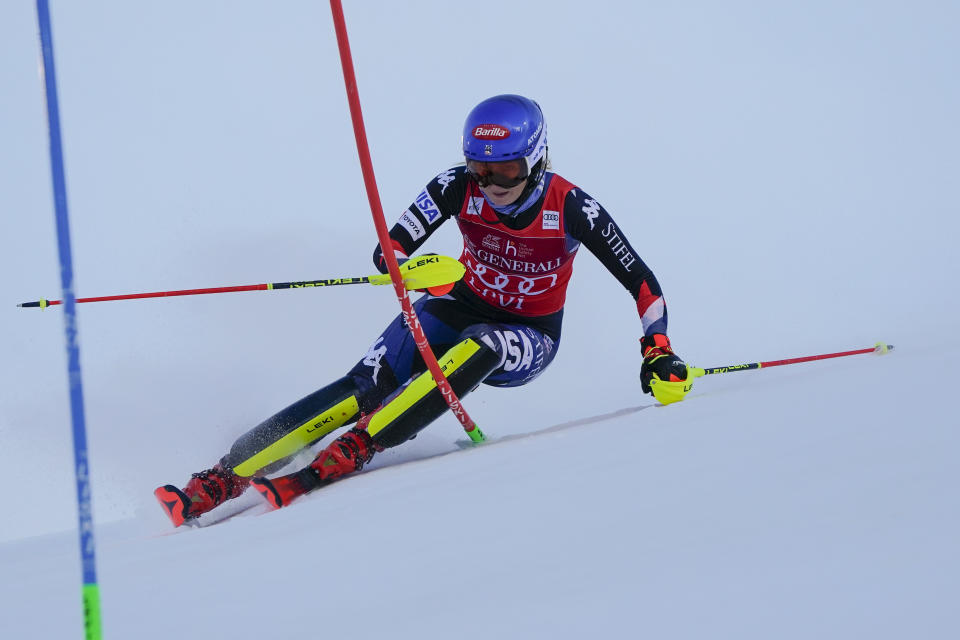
pixel 661 366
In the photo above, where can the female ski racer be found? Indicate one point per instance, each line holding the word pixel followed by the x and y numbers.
pixel 522 225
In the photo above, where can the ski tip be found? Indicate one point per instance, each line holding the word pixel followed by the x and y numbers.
pixel 266 489
pixel 174 502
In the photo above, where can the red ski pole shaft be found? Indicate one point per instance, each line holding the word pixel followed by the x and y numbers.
pixel 373 195
pixel 41 303
pixel 696 372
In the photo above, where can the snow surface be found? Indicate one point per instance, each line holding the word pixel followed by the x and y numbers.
pixel 790 174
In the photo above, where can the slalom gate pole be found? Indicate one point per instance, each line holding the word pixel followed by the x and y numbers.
pixel 409 315
pixel 428 271
pixel 91 589
pixel 880 348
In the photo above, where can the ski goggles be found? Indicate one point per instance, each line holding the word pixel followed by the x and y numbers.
pixel 506 174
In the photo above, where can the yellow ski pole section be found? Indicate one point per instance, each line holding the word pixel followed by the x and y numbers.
pixel 304 435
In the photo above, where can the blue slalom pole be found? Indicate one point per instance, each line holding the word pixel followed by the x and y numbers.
pixel 91 590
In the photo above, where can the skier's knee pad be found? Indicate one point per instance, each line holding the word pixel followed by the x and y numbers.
pixel 420 403
pixel 294 428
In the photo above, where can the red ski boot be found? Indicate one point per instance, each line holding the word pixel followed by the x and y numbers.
pixel 205 491
pixel 346 454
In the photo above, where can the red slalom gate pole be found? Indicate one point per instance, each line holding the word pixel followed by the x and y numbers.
pixel 369 180
pixel 879 348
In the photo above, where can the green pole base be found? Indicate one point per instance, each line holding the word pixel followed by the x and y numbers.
pixel 91 611
pixel 476 435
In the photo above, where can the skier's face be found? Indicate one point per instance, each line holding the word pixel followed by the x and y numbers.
pixel 501 196
pixel 502 182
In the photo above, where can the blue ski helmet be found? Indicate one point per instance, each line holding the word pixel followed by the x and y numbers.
pixel 508 127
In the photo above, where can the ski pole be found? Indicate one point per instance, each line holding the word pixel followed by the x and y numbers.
pixel 418 273
pixel 695 372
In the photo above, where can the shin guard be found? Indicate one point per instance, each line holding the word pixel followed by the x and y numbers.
pixel 296 427
pixel 420 403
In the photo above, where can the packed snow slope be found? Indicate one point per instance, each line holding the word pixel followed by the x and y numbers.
pixel 788 171
pixel 811 502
